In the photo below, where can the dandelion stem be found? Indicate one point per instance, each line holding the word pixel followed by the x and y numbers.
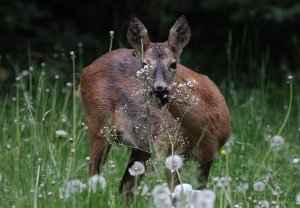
pixel 36 186
pixel 289 109
pixel 111 41
pixel 179 177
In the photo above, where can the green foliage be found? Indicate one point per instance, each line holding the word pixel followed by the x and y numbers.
pixel 36 163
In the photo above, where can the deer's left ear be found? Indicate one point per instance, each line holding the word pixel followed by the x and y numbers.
pixel 180 34
pixel 136 33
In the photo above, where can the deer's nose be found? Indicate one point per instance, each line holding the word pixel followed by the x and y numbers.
pixel 161 92
pixel 160 89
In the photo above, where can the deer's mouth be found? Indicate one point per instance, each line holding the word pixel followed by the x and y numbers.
pixel 161 96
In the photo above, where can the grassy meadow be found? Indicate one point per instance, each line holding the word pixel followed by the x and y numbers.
pixel 37 161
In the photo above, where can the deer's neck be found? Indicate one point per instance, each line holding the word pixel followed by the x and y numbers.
pixel 183 106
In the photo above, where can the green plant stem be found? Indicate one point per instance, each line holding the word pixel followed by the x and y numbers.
pixel 288 111
pixel 36 186
pixel 111 43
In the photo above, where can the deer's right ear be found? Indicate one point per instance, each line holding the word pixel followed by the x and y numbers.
pixel 137 32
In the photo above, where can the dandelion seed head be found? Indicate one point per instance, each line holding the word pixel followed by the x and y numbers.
pixel 259 186
pixel 276 142
pixel 263 204
pixel 204 199
pixel 95 180
pixel 144 189
pixel 25 73
pixel 61 133
pixel 242 187
pixel 111 33
pixel 73 186
pixel 222 181
pixel 69 84
pixel 296 160
pixel 173 162
pixel 277 191
pixel 182 189
pixel 162 196
pixel 182 194
pixel 136 169
pixel 8 146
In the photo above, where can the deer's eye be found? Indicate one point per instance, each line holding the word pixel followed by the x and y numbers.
pixel 173 65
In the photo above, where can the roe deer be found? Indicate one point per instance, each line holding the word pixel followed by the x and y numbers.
pixel 111 89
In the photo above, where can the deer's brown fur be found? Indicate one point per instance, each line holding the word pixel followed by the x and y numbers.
pixel 108 87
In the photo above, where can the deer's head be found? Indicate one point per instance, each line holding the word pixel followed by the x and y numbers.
pixel 162 57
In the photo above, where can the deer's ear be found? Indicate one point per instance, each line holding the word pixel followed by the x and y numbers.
pixel 137 32
pixel 180 34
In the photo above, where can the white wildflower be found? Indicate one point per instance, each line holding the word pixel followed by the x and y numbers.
pixel 173 162
pixel 259 186
pixel 298 198
pixel 61 133
pixel 73 186
pixel 162 196
pixel 204 199
pixel 136 169
pixel 95 180
pixel 192 83
pixel 276 142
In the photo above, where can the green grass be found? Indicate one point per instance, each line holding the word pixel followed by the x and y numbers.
pixel 35 163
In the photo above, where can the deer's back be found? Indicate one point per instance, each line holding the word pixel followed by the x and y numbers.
pixel 108 90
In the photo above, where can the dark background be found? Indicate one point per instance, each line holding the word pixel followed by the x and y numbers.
pixel 235 36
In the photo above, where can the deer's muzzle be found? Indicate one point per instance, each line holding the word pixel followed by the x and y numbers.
pixel 162 94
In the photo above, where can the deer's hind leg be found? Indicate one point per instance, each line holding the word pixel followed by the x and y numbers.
pixel 128 181
pixel 204 153
pixel 100 147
